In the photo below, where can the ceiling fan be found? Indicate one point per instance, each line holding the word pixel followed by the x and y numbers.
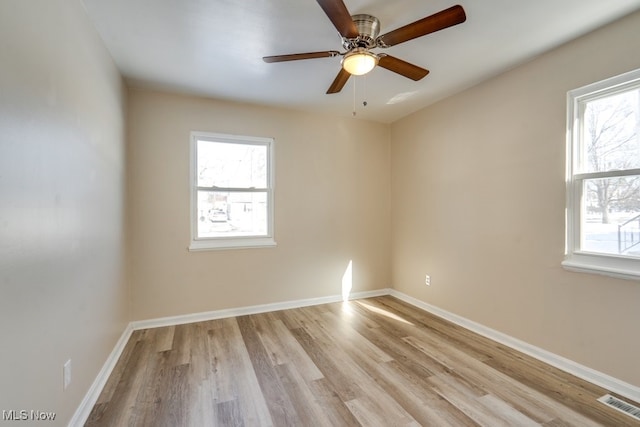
pixel 360 35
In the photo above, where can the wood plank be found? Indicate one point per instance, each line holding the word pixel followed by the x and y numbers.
pixel 305 403
pixel 357 362
pixel 233 375
pixel 466 400
pixel 229 413
pixel 173 395
pixel 377 361
pixel 388 337
pixel 200 378
pixel 346 390
pixel 152 393
pixel 282 347
pixel 369 413
pixel 418 398
pixel 120 367
pixel 335 412
pixel 530 402
pixel 125 391
pixel 281 410
pixel 506 413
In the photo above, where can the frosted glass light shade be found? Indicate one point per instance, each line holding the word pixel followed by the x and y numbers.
pixel 359 62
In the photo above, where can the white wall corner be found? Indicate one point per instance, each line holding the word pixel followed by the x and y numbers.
pixel 81 415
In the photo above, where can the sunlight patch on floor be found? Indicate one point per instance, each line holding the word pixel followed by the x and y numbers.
pixel 383 312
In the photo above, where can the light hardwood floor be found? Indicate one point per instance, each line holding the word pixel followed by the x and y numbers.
pixel 370 362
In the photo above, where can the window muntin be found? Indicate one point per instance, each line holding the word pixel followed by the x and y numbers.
pixel 232 191
pixel 603 176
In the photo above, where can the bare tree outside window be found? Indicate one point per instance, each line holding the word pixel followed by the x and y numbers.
pixel 611 148
pixel 603 177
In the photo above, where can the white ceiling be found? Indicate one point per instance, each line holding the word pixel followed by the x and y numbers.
pixel 214 48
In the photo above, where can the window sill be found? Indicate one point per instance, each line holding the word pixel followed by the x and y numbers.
pixel 235 243
pixel 612 266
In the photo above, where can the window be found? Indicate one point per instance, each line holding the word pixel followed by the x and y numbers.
pixel 232 191
pixel 603 177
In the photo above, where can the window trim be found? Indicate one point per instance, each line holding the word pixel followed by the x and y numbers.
pixel 614 265
pixel 235 242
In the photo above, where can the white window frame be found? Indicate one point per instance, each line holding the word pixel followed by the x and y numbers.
pixel 232 242
pixel 614 265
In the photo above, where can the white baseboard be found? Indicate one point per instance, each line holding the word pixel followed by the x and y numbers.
pixel 84 410
pixel 603 380
pixel 253 309
pixel 595 377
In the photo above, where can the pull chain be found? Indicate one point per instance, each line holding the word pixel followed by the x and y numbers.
pixel 354 97
pixel 364 92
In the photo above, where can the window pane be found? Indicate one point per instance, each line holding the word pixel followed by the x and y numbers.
pixel 610 137
pixel 231 165
pixel 611 215
pixel 232 214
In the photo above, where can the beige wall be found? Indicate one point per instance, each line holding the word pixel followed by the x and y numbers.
pixel 475 184
pixel 62 288
pixel 331 206
pixel 478 199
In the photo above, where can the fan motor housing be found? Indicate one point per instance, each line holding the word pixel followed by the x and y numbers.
pixel 368 28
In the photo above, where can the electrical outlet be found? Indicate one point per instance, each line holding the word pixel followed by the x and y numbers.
pixel 66 374
pixel 427 280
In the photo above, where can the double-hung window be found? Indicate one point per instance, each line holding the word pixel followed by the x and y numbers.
pixel 231 191
pixel 603 177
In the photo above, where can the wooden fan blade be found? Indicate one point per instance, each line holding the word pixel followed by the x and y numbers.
pixel 340 17
pixel 298 56
pixel 339 82
pixel 439 21
pixel 401 67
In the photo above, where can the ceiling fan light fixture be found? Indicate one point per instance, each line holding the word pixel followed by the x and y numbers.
pixel 359 62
